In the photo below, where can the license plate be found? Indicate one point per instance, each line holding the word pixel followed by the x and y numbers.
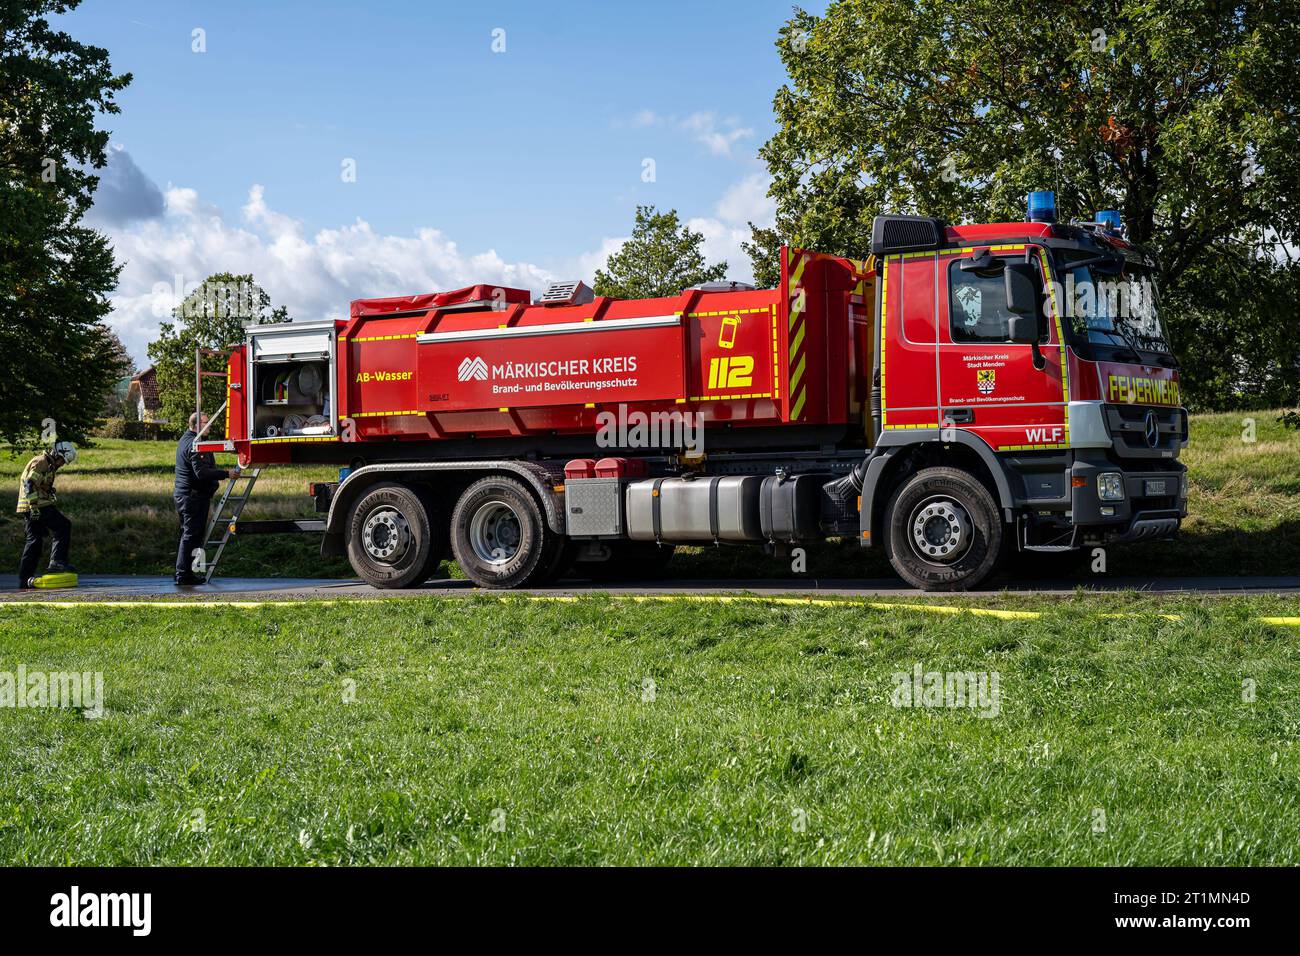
pixel 1155 488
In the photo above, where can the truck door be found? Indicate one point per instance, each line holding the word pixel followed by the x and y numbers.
pixel 908 380
pixel 988 385
pixel 236 395
pixel 291 381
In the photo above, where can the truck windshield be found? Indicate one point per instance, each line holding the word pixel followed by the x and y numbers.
pixel 1113 303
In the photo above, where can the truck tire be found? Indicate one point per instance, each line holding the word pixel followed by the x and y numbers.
pixel 390 537
pixel 500 537
pixel 943 531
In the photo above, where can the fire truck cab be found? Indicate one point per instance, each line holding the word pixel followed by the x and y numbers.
pixel 1025 382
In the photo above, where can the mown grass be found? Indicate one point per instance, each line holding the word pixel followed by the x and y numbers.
pixel 1245 516
pixel 513 731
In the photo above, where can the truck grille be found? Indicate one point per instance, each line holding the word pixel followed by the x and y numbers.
pixel 1146 431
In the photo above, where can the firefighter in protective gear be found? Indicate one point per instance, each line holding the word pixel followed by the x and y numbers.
pixel 37 505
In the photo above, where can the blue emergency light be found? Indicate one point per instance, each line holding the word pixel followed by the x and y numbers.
pixel 1109 218
pixel 1042 206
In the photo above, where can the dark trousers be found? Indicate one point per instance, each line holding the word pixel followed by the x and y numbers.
pixel 50 520
pixel 193 513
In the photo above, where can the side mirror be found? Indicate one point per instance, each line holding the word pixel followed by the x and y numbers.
pixel 1026 323
pixel 1022 288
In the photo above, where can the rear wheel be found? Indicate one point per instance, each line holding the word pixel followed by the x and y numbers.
pixel 500 537
pixel 390 537
pixel 944 532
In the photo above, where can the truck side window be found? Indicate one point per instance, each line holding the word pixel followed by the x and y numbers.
pixel 977 309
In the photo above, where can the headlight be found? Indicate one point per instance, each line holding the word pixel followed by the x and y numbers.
pixel 1110 486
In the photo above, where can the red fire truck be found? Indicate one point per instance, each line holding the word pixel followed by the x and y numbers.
pixel 952 399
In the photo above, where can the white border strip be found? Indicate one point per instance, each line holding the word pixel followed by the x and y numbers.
pixel 554 328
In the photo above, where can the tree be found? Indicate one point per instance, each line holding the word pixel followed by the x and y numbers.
pixel 662 258
pixel 115 398
pixel 1183 115
pixel 211 317
pixel 764 251
pixel 56 358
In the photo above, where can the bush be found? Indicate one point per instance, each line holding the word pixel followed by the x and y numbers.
pixel 131 430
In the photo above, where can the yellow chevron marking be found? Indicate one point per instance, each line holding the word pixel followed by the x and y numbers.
pixel 798 372
pixel 798 273
pixel 797 341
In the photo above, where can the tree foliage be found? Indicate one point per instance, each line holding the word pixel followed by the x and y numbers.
pixel 1183 115
pixel 212 317
pixel 764 251
pixel 662 258
pixel 56 356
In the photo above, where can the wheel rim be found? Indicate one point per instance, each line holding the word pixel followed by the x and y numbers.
pixel 495 533
pixel 386 536
pixel 941 530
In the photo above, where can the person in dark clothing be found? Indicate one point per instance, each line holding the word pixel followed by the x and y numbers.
pixel 36 503
pixel 197 480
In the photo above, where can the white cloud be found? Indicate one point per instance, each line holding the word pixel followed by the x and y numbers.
pixel 722 243
pixel 586 264
pixel 717 136
pixel 313 275
pixel 748 201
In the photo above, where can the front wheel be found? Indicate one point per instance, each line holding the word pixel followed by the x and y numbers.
pixel 943 531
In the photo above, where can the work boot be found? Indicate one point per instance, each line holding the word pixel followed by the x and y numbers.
pixel 27 585
pixel 189 580
pixel 61 567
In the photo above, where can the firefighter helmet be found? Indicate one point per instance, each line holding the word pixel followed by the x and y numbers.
pixel 65 450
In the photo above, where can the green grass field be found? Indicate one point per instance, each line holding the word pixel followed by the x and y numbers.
pixel 1245 516
pixel 513 731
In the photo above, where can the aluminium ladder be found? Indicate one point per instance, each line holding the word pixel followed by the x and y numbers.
pixel 227 514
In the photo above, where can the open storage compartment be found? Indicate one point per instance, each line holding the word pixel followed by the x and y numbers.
pixel 291 371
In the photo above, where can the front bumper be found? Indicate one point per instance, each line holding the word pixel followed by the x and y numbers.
pixel 1153 505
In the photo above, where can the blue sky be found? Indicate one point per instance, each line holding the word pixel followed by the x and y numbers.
pixel 534 154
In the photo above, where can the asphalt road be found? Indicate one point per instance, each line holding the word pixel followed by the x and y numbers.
pixel 134 587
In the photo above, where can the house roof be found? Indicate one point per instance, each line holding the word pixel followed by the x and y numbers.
pixel 147 383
